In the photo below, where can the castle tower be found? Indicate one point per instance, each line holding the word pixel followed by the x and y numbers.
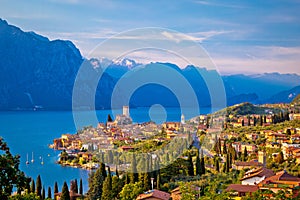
pixel 182 119
pixel 262 158
pixel 126 111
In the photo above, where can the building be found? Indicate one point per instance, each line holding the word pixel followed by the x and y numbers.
pixel 239 190
pixel 126 111
pixel 154 195
pixel 255 176
pixel 239 165
pixel 281 181
pixel 262 158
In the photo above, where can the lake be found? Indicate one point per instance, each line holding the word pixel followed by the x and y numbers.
pixel 32 131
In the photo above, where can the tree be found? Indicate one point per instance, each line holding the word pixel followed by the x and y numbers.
pixel 243 123
pixel 224 148
pixel 76 186
pixel 131 191
pixel 96 183
pixel 245 154
pixel 202 163
pixel 261 120
pixel 10 174
pixel 249 120
pixel 107 187
pixel 133 173
pixel 39 186
pixel 158 181
pixel 147 181
pixel 55 187
pixel 190 165
pixel 49 193
pixel 80 187
pixel 43 193
pixel 217 164
pixel 32 186
pixel 65 195
pixel 198 164
pixel 280 158
pixel 117 185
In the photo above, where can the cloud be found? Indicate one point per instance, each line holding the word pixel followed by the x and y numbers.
pixel 211 3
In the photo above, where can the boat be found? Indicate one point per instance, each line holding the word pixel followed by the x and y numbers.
pixel 32 160
pixel 27 162
pixel 42 161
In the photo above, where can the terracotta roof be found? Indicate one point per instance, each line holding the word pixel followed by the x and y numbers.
pixel 282 176
pixel 154 194
pixel 250 163
pixel 242 188
pixel 259 172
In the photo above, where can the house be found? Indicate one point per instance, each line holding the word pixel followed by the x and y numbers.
pixel 176 193
pixel 241 190
pixel 255 176
pixel 281 181
pixel 154 195
pixel 127 148
pixel 239 165
pixel 174 125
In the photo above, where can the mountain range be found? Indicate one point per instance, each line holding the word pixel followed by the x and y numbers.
pixel 36 72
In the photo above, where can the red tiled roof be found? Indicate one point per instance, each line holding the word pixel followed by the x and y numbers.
pixel 242 188
pixel 251 163
pixel 260 172
pixel 282 176
pixel 154 194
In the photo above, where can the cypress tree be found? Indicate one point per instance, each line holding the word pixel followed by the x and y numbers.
pixel 190 166
pixel 55 187
pixel 198 164
pixel 117 173
pixel 80 187
pixel 76 186
pixel 97 179
pixel 243 123
pixel 224 148
pixel 133 173
pixel 158 181
pixel 217 164
pixel 202 163
pixel 147 181
pixel 49 193
pixel 245 154
pixel 227 164
pixel 102 170
pixel 43 193
pixel 65 195
pixel 107 187
pixel 261 120
pixel 39 186
pixel 32 186
pixel 249 120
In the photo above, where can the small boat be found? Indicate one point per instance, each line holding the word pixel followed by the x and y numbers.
pixel 27 162
pixel 42 161
pixel 32 160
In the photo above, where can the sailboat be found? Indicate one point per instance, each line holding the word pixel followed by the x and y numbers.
pixel 27 162
pixel 42 161
pixel 32 160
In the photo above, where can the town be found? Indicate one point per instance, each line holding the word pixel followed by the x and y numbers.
pixel 243 152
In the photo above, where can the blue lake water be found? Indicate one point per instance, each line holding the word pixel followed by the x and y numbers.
pixel 32 131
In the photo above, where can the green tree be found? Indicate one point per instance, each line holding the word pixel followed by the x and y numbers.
pixel 10 174
pixel 76 186
pixel 190 165
pixel 158 181
pixel 202 163
pixel 131 191
pixel 280 158
pixel 245 154
pixel 49 193
pixel 133 173
pixel 80 187
pixel 96 183
pixel 65 195
pixel 117 185
pixel 43 193
pixel 55 187
pixel 217 164
pixel 32 186
pixel 39 186
pixel 107 187
pixel 224 147
pixel 198 164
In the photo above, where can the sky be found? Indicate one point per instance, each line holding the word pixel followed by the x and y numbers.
pixel 239 36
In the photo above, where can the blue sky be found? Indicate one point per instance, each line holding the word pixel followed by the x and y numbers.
pixel 249 36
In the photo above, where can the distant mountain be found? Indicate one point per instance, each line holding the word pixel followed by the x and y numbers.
pixel 38 73
pixel 286 96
